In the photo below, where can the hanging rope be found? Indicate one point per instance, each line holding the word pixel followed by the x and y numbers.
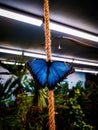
pixel 51 109
pixel 47 30
pixel 48 53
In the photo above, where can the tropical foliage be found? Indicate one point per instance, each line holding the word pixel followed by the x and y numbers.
pixel 74 108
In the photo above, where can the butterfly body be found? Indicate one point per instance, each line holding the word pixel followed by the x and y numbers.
pixel 49 73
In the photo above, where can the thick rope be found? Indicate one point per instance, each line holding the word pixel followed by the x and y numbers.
pixel 48 53
pixel 47 30
pixel 51 109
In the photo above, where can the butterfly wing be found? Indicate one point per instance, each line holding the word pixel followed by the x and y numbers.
pixel 50 73
pixel 57 71
pixel 38 69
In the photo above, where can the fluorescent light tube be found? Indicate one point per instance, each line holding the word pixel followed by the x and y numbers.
pixel 86 71
pixel 85 63
pixel 74 32
pixel 34 55
pixel 53 26
pixel 20 17
pixel 77 70
pixel 44 57
pixel 60 59
pixel 7 62
pixel 12 63
pixel 9 51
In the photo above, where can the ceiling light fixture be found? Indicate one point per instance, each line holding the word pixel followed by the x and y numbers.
pixel 10 51
pixel 55 58
pixel 53 25
pixel 59 47
pixel 61 59
pixel 12 63
pixel 8 62
pixel 29 54
pixel 20 17
pixel 73 32
pixel 76 70
pixel 43 56
pixel 86 71
pixel 85 62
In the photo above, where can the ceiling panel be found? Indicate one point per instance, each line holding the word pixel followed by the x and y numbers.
pixel 79 14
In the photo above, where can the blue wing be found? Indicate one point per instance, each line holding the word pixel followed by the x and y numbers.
pixel 38 69
pixel 49 73
pixel 57 71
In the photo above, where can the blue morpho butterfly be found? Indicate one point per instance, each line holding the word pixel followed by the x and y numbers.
pixel 49 73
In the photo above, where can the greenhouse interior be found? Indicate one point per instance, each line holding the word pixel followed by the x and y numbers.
pixel 48 65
